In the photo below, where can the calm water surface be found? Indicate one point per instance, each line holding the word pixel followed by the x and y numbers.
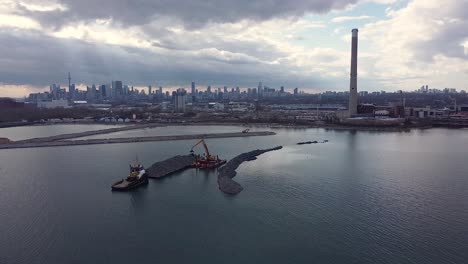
pixel 364 197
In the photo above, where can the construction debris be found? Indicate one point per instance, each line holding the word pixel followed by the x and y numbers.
pixel 166 167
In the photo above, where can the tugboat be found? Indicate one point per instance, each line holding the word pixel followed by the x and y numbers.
pixel 206 161
pixel 137 177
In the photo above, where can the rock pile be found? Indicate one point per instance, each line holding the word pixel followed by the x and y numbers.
pixel 228 171
pixel 166 167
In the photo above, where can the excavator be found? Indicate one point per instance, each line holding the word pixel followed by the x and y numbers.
pixel 206 161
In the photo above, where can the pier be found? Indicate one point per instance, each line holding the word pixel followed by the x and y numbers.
pixel 57 143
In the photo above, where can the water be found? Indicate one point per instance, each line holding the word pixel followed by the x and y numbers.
pixel 364 197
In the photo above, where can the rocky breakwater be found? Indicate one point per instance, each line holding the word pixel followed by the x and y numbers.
pixel 227 172
pixel 166 167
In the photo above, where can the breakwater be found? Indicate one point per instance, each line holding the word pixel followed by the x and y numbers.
pixel 167 167
pixel 86 133
pixel 227 172
pixel 58 143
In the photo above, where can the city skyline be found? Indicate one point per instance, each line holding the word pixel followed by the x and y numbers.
pixel 302 44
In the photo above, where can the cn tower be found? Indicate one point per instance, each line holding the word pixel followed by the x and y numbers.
pixel 353 95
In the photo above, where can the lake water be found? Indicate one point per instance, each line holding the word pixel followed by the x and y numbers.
pixel 363 197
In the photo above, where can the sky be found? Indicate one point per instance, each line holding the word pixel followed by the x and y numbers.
pixel 403 44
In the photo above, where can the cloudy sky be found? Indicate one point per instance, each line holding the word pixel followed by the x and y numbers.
pixel 296 43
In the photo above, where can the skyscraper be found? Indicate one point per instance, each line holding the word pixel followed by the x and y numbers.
pixel 260 88
pixel 103 91
pixel 180 98
pixel 353 96
pixel 71 91
pixel 193 89
pixel 117 88
pixel 149 89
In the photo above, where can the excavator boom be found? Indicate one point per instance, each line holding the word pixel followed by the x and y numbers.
pixel 207 153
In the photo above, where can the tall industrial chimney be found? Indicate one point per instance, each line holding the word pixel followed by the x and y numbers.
pixel 353 96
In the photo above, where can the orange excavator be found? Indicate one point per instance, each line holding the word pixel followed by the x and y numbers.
pixel 206 161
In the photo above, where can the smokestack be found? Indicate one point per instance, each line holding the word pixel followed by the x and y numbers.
pixel 353 95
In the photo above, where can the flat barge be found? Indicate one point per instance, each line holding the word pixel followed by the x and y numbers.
pixel 169 166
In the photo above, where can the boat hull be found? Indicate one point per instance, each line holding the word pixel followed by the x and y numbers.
pixel 209 165
pixel 124 185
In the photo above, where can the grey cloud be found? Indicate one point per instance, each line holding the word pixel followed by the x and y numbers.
pixel 192 13
pixel 32 58
pixel 450 24
pixel 260 50
pixel 446 42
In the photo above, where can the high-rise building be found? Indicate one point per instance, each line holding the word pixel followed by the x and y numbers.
pixel 296 91
pixel 149 89
pixel 193 92
pixel 208 89
pixel 260 89
pixel 103 91
pixel 160 90
pixel 117 88
pixel 71 91
pixel 353 95
pixel 180 99
pixel 282 89
pixel 93 92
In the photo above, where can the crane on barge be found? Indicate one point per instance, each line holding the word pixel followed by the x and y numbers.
pixel 207 161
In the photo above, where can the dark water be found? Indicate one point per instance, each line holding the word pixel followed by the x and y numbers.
pixel 361 198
